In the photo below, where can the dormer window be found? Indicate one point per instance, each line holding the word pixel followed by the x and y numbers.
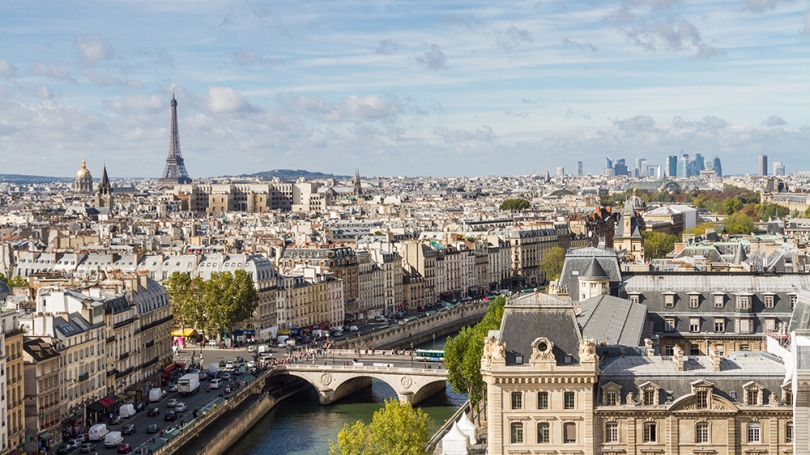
pixel 694 300
pixel 611 394
pixel 743 302
pixel 753 394
pixel 649 394
pixel 768 299
pixel 669 300
pixel 719 300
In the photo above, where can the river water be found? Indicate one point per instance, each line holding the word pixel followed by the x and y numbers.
pixel 301 426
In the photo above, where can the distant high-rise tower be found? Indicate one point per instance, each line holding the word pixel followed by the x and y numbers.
pixel 358 188
pixel 104 194
pixel 560 171
pixel 778 168
pixel 608 162
pixel 672 166
pixel 718 168
pixel 763 165
pixel 579 169
pixel 175 170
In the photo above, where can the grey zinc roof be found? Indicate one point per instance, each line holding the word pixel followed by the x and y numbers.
pixel 594 270
pixel 612 320
pixel 736 370
pixel 523 323
pixel 576 261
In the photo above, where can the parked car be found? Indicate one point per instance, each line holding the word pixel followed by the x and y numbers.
pixel 154 412
pixel 117 420
pixel 67 448
pixel 171 403
pixel 140 406
pixel 87 447
pixel 128 429
pixel 173 388
pixel 421 309
pixel 153 428
pixel 170 415
pixel 76 442
pixel 180 407
pixel 124 448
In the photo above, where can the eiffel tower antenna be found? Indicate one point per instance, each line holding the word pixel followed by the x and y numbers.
pixel 175 170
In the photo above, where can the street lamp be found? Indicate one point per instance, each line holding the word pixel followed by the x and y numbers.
pixel 411 354
pixel 434 341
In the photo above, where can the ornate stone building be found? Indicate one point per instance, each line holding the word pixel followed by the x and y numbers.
pixel 561 380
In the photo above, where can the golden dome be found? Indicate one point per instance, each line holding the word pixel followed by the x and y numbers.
pixel 83 172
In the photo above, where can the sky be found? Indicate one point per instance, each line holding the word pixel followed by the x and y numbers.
pixel 412 88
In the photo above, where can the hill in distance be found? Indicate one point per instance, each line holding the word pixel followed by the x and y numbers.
pixel 294 174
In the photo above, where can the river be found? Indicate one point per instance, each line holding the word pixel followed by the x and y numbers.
pixel 301 426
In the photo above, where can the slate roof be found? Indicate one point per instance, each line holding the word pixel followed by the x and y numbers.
pixel 737 369
pixel 578 260
pixel 539 315
pixel 594 270
pixel 612 320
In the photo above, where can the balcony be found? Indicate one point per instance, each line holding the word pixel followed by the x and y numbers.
pixel 123 356
pixel 111 339
pixel 150 343
pixel 123 323
pixel 156 323
pixel 112 373
pixel 84 377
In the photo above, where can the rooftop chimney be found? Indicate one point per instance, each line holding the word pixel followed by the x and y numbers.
pixel 714 357
pixel 677 356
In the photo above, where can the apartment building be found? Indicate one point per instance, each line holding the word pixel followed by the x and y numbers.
pixel 42 382
pixel 15 405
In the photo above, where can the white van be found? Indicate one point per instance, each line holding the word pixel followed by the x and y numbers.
pixel 97 432
pixel 263 348
pixel 113 439
pixel 127 411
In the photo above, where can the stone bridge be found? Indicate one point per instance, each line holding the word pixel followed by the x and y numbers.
pixel 333 382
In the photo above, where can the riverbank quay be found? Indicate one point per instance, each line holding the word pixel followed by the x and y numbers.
pixel 477 416
pixel 419 331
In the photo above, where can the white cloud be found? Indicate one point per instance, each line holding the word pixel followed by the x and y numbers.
pixel 806 29
pixel 94 48
pixel 450 136
pixel 434 59
pixel 350 109
pixel 637 123
pixel 227 100
pixel 513 38
pixel 43 92
pixel 386 47
pixel 774 120
pixel 54 71
pixel 135 104
pixel 7 70
pixel 760 6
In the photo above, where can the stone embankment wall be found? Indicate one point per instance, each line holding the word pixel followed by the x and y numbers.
pixel 231 434
pixel 421 330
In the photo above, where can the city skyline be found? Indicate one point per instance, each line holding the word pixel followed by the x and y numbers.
pixel 402 89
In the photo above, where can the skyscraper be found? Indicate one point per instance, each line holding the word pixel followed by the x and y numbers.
pixel 560 171
pixel 763 165
pixel 620 167
pixel 579 169
pixel 778 168
pixel 609 163
pixel 718 168
pixel 672 166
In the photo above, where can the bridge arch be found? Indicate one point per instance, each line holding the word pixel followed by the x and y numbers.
pixel 336 382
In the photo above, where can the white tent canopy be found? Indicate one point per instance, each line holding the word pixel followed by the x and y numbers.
pixel 466 426
pixel 455 442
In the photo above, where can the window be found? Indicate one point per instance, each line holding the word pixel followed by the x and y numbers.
pixel 517 400
pixel 517 433
pixel 649 397
pixel 720 325
pixel 610 398
pixel 669 349
pixel 753 432
pixel 543 433
pixel 612 432
pixel 634 298
pixel 788 394
pixel 650 432
pixel 753 397
pixel 793 301
pixel 569 400
pixel 720 349
pixel 669 324
pixel 694 324
pixel 569 432
pixel 744 347
pixel 743 302
pixel 694 300
pixel 701 432
pixel 542 400
pixel 769 324
pixel 669 300
pixel 769 301
pixel 788 431
pixel 743 325
pixel 694 349
pixel 702 399
pixel 718 300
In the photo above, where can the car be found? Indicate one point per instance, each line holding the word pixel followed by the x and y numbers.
pixel 180 407
pixel 170 415
pixel 229 364
pixel 239 359
pixel 226 376
pixel 421 309
pixel 215 383
pixel 117 420
pixel 203 375
pixel 140 406
pixel 128 429
pixel 251 348
pixel 251 364
pixel 87 447
pixel 212 343
pixel 153 428
pixel 354 328
pixel 337 333
pixel 67 448
pixel 173 388
pixel 171 403
pixel 153 412
pixel 76 442
pixel 124 448
pixel 282 345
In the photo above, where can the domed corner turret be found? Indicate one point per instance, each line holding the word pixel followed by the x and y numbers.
pixel 636 201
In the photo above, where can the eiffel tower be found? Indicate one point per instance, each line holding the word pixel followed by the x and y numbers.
pixel 175 170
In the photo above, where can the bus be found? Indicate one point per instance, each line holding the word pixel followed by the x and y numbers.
pixel 429 355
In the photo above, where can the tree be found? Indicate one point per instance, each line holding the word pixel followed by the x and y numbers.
pixel 658 244
pixel 397 428
pixel 515 204
pixel 186 300
pixel 731 205
pixel 769 211
pixel 738 223
pixel 700 229
pixel 462 354
pixel 552 263
pixel 14 282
